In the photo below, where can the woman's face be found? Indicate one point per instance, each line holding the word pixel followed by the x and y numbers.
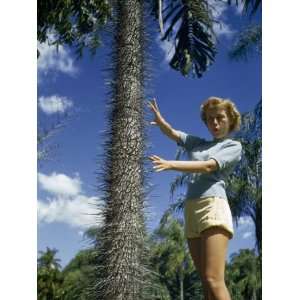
pixel 218 122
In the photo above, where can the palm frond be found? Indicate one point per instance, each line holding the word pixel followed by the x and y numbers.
pixel 247 43
pixel 190 26
pixel 249 6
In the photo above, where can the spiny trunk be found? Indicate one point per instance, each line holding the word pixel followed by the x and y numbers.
pixel 121 269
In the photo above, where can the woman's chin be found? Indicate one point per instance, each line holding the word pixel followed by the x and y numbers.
pixel 219 136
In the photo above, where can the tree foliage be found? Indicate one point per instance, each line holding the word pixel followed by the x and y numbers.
pixel 170 258
pixel 243 275
pixel 244 188
pixel 72 22
pixel 249 40
pixel 247 43
pixel 45 148
pixel 49 277
pixel 189 24
pixel 78 275
pixel 249 6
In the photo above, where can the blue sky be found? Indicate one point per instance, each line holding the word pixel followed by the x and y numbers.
pixel 66 185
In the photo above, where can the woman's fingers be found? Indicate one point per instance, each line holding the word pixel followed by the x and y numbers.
pixel 158 168
pixel 154 157
pixel 155 103
pixel 159 163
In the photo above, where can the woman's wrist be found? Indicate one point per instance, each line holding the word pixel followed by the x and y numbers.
pixel 172 164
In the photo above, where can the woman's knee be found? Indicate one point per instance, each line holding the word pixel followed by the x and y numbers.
pixel 214 282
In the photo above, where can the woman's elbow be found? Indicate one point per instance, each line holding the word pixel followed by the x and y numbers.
pixel 211 166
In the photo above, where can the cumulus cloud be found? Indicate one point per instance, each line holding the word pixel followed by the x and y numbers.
pixel 168 49
pixel 245 221
pixel 55 60
pixel 54 104
pixel 247 234
pixel 60 184
pixel 223 29
pixel 67 202
pixel 78 211
pixel 219 9
pixel 246 227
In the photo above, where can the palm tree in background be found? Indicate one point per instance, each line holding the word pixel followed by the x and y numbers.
pixel 244 276
pixel 249 40
pixel 49 277
pixel 245 190
pixel 48 260
pixel 171 260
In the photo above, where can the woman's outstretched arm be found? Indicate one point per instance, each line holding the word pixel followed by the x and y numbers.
pixel 183 166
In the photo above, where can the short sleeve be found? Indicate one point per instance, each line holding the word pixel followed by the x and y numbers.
pixel 229 154
pixel 188 141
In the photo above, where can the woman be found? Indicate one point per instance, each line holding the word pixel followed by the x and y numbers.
pixel 208 220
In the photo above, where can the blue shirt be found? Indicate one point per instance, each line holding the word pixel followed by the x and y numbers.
pixel 226 152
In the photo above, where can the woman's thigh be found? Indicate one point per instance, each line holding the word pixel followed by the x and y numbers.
pixel 213 245
pixel 197 253
pixel 209 251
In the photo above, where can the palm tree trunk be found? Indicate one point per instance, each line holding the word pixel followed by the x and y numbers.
pixel 181 286
pixel 258 225
pixel 121 251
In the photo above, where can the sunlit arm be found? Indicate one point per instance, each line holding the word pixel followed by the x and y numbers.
pixel 194 166
pixel 183 166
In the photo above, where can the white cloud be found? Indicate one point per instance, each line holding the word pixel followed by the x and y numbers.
pixel 218 8
pixel 238 9
pixel 245 221
pixel 247 234
pixel 60 184
pixel 223 29
pixel 168 49
pixel 78 212
pixel 51 59
pixel 54 104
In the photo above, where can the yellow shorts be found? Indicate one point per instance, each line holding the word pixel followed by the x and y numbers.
pixel 203 213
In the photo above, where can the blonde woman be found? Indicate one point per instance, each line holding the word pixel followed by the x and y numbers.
pixel 208 220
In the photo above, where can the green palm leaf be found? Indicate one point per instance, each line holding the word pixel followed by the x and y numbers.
pixel 190 26
pixel 247 43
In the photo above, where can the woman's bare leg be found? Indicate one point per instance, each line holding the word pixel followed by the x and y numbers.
pixel 214 243
pixel 197 253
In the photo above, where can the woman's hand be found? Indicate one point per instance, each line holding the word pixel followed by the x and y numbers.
pixel 158 119
pixel 165 127
pixel 160 164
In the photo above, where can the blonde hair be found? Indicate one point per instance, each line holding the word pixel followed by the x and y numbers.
pixel 230 108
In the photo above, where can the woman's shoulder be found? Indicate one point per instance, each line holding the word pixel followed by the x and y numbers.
pixel 190 141
pixel 232 141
